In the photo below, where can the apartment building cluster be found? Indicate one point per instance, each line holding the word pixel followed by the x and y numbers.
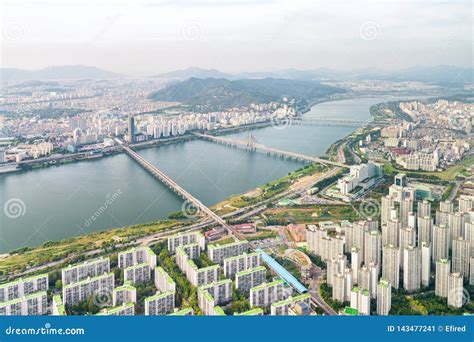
pixel 233 267
pixel 412 249
pixel 25 296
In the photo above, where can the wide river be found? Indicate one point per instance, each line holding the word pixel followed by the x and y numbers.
pixel 56 202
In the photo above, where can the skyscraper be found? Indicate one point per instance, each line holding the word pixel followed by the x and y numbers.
pixel 424 209
pixel 406 207
pixel 131 129
pixel 460 256
pixel 440 242
pixel 441 281
pixel 372 246
pixel 425 263
pixel 411 268
pixel 387 204
pixel 425 225
pixel 391 265
pixel 384 297
pixel 455 290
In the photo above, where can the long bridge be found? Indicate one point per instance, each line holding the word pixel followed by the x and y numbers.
pixel 180 191
pixel 329 122
pixel 255 146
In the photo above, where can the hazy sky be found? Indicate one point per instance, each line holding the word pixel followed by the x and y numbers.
pixel 140 37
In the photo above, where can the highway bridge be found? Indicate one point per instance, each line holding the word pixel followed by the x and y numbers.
pixel 176 188
pixel 254 146
pixel 329 122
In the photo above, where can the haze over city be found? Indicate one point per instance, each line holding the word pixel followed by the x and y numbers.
pixel 140 38
pixel 237 158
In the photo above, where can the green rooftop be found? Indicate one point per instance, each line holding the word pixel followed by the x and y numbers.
pixel 265 285
pixel 348 311
pixel 251 270
pixel 183 312
pixel 160 295
pixel 252 312
pixel 105 275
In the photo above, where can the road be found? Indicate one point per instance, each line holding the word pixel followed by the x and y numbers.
pixel 314 291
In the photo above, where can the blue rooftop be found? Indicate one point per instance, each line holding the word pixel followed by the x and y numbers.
pixel 282 272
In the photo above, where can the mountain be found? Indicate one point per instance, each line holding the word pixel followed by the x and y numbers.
pixel 193 72
pixel 57 73
pixel 441 74
pixel 435 74
pixel 220 93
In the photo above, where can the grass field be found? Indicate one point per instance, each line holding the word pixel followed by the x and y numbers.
pixel 53 251
pixel 449 174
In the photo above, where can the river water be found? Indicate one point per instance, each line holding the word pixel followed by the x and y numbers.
pixel 58 202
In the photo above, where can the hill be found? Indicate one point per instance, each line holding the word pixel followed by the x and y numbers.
pixel 220 93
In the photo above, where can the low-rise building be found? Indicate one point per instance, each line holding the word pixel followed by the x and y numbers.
pixel 138 274
pixel 136 256
pixel 282 308
pixel 266 294
pixel 124 294
pixel 75 293
pixel 34 304
pixel 163 281
pixel 217 253
pixel 88 268
pixel 240 263
pixel 160 304
pixel 252 277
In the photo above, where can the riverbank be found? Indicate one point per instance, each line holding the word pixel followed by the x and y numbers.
pixel 63 197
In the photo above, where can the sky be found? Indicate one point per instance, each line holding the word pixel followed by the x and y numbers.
pixel 146 37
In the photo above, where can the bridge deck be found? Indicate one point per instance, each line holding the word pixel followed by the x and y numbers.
pixel 276 151
pixel 178 189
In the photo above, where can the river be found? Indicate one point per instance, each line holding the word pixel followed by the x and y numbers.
pixel 58 202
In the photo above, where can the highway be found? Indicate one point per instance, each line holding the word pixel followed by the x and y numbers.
pixel 170 183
